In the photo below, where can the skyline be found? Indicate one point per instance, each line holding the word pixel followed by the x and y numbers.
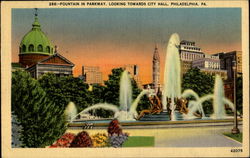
pixel 92 37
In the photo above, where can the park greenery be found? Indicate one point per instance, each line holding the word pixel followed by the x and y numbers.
pixel 237 137
pixel 203 84
pixel 42 121
pixel 39 104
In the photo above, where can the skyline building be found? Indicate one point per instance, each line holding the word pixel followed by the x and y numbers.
pixel 92 74
pixel 133 70
pixel 156 70
pixel 227 62
pixel 210 64
pixel 189 52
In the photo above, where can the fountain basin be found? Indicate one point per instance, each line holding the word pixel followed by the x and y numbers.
pixel 155 124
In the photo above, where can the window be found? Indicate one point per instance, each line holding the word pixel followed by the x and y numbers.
pixel 31 47
pixel 24 48
pixel 48 49
pixel 40 48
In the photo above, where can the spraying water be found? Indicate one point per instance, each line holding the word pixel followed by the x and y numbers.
pixel 172 73
pixel 134 105
pixel 220 100
pixel 218 104
pixel 127 109
pixel 125 91
pixel 70 111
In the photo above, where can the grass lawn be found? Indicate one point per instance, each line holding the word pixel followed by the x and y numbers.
pixel 237 137
pixel 139 141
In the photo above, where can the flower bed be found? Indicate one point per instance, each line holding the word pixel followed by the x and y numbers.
pixel 64 141
pixel 115 138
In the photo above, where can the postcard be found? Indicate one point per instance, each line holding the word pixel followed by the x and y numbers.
pixel 125 78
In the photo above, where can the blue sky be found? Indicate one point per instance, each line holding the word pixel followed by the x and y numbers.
pixel 92 36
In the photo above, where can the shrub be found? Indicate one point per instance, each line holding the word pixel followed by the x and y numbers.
pixel 114 127
pixel 82 140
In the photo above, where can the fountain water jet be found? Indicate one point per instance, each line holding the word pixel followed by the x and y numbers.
pixel 220 100
pixel 134 105
pixel 125 92
pixel 70 111
pixel 194 105
pixel 172 74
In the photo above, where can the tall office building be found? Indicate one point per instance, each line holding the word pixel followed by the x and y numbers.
pixel 226 62
pixel 92 74
pixel 133 70
pixel 189 52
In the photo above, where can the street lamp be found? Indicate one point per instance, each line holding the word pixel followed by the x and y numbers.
pixel 235 129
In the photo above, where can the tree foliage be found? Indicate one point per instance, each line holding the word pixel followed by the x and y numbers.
pixel 41 120
pixel 62 90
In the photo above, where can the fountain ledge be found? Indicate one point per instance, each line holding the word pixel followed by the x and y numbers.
pixel 149 123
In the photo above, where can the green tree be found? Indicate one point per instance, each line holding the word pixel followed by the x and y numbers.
pixel 201 83
pixel 62 90
pixel 112 87
pixel 41 120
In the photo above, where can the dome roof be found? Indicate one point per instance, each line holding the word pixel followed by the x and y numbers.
pixel 36 42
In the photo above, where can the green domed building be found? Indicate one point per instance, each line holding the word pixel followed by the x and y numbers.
pixel 35 46
pixel 38 55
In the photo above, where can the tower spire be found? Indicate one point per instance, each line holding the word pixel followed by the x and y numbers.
pixel 156 69
pixel 36 24
pixel 36 12
pixel 156 46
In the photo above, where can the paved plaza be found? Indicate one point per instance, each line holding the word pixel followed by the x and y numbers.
pixel 209 136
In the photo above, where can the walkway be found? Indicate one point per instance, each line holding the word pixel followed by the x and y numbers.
pixel 189 137
pixel 210 136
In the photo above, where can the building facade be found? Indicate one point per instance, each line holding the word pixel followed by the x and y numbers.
pixel 55 64
pixel 226 62
pixel 92 74
pixel 188 53
pixel 156 70
pixel 208 62
pixel 133 70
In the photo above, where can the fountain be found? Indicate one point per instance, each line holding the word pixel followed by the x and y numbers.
pixel 171 90
pixel 127 108
pixel 219 100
